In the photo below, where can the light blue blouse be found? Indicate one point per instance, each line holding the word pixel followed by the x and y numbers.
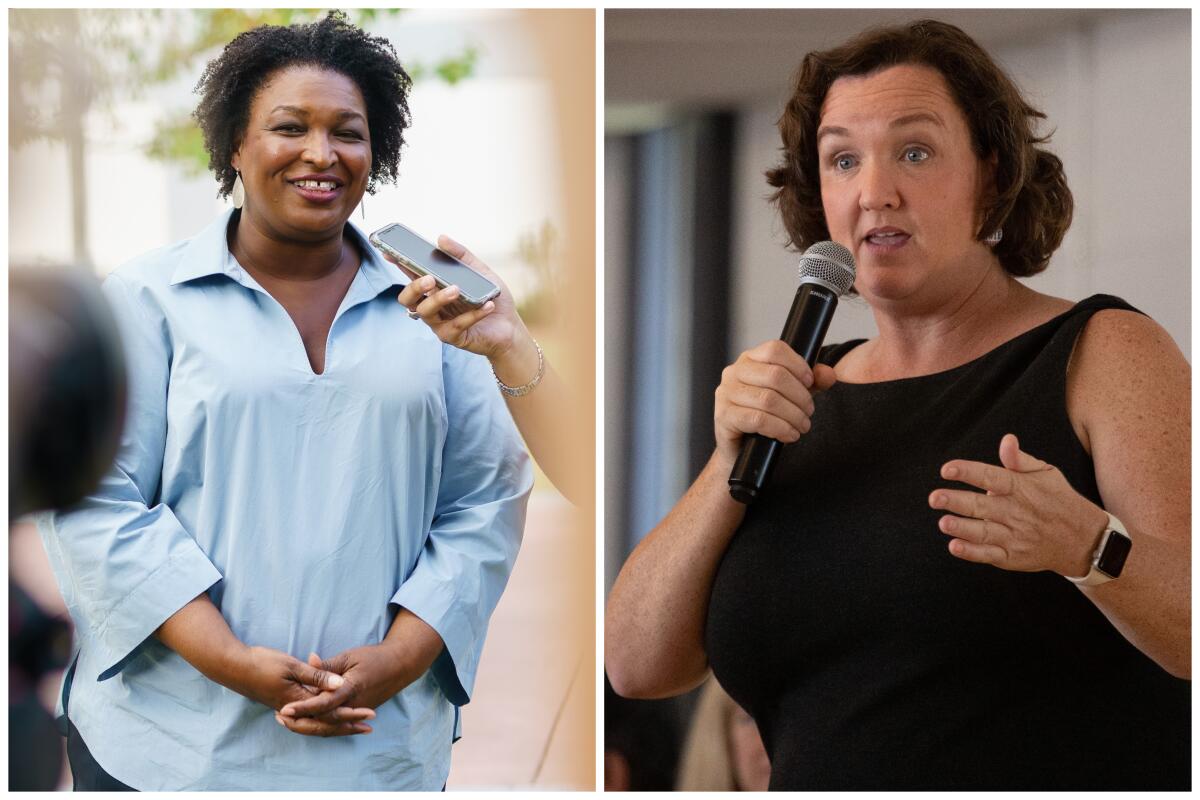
pixel 308 506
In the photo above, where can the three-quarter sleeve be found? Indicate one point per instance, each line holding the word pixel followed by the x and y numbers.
pixel 479 517
pixel 123 561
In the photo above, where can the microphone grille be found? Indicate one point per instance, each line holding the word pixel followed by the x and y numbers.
pixel 830 263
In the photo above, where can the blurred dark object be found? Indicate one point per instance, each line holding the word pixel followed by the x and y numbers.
pixel 66 407
pixel 641 743
pixel 66 388
pixel 38 644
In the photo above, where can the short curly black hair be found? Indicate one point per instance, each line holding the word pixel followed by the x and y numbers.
pixel 232 79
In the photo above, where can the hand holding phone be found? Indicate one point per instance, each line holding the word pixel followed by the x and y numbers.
pixel 494 330
pixel 417 258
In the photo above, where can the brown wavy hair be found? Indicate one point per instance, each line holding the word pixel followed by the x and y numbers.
pixel 1031 204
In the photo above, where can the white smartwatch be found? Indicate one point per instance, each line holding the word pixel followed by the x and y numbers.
pixel 1110 555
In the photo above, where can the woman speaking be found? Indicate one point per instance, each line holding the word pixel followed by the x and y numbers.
pixel 973 571
pixel 285 580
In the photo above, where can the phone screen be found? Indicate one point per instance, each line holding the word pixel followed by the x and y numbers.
pixel 446 268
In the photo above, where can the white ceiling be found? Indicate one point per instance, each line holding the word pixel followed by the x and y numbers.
pixel 683 57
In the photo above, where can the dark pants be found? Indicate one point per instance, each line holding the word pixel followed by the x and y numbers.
pixel 89 776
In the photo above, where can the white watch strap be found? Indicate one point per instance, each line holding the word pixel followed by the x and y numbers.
pixel 1095 576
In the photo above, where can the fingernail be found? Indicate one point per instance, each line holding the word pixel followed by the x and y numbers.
pixel 950 471
pixel 807 380
pixel 279 719
pixel 939 500
pixel 336 680
pixel 288 712
pixel 489 305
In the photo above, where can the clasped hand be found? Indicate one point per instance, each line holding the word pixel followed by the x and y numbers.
pixel 1030 518
pixel 370 675
pixel 276 679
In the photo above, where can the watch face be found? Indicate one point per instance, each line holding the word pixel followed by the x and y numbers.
pixel 1116 550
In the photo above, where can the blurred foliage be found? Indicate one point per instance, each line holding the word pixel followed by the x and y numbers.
pixel 178 139
pixel 451 70
pixel 181 44
pixel 71 61
pixel 539 249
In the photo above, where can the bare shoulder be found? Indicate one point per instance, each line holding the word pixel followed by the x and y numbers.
pixel 1126 352
pixel 1119 332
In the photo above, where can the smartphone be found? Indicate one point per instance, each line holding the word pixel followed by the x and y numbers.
pixel 417 258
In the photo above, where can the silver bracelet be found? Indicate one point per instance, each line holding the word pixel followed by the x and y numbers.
pixel 521 391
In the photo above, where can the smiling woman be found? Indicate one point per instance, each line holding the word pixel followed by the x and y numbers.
pixel 303 536
pixel 306 154
pixel 302 167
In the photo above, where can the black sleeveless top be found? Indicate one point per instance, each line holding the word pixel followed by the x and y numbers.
pixel 871 658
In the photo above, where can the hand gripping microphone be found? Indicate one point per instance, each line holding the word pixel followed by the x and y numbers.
pixel 826 273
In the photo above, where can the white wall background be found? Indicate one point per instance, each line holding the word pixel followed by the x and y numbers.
pixel 1115 85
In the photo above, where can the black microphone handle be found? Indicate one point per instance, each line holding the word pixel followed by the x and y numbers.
pixel 804 332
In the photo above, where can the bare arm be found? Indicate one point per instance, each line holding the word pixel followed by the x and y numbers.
pixel 200 634
pixel 654 622
pixel 548 416
pixel 1130 391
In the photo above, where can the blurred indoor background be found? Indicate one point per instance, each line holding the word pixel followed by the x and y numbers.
pixel 695 265
pixel 105 164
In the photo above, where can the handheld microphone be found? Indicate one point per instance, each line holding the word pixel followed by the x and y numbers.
pixel 826 273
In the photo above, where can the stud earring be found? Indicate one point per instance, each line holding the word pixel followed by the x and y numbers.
pixel 239 192
pixel 994 237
